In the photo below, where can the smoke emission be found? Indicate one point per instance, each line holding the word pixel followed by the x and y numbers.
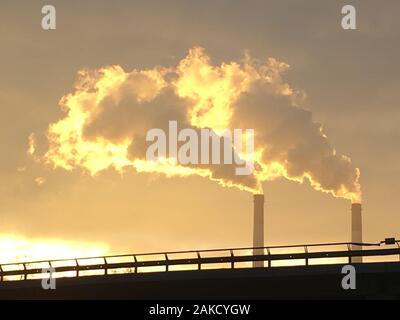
pixel 110 111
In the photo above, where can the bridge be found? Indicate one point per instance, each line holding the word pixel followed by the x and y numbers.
pixel 294 271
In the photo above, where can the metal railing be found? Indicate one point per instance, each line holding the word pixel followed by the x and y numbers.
pixel 231 258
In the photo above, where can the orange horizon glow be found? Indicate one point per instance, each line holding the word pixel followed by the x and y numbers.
pixel 15 248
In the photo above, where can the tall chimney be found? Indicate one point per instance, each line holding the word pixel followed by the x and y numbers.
pixel 356 229
pixel 258 228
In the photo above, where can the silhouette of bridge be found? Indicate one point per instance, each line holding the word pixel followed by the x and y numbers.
pixel 307 270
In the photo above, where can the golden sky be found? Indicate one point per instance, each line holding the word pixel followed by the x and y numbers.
pixel 347 81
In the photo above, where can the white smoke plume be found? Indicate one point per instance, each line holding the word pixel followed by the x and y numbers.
pixel 110 111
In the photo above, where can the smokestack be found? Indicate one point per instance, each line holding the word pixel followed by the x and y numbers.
pixel 258 228
pixel 356 229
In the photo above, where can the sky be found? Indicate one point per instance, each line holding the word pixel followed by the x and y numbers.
pixel 348 80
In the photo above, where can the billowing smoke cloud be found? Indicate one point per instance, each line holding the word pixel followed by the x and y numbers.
pixel 110 111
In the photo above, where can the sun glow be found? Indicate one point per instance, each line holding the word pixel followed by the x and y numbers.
pixel 15 249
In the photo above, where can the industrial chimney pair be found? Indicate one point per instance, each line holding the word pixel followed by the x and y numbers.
pixel 258 228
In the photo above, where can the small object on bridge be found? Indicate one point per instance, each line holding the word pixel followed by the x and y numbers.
pixel 390 240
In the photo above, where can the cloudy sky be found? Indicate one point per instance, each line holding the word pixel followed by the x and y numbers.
pixel 349 79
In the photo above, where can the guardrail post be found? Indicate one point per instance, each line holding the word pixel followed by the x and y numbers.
pixel 166 262
pixel 232 262
pixel 350 253
pixel 77 267
pixel 25 271
pixel 199 258
pixel 136 268
pixel 269 258
pixel 306 252
pixel 105 266
pixel 51 275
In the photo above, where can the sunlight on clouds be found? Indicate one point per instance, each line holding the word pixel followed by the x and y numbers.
pixel 110 111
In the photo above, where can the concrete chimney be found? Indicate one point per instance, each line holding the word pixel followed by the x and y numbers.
pixel 356 229
pixel 258 228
